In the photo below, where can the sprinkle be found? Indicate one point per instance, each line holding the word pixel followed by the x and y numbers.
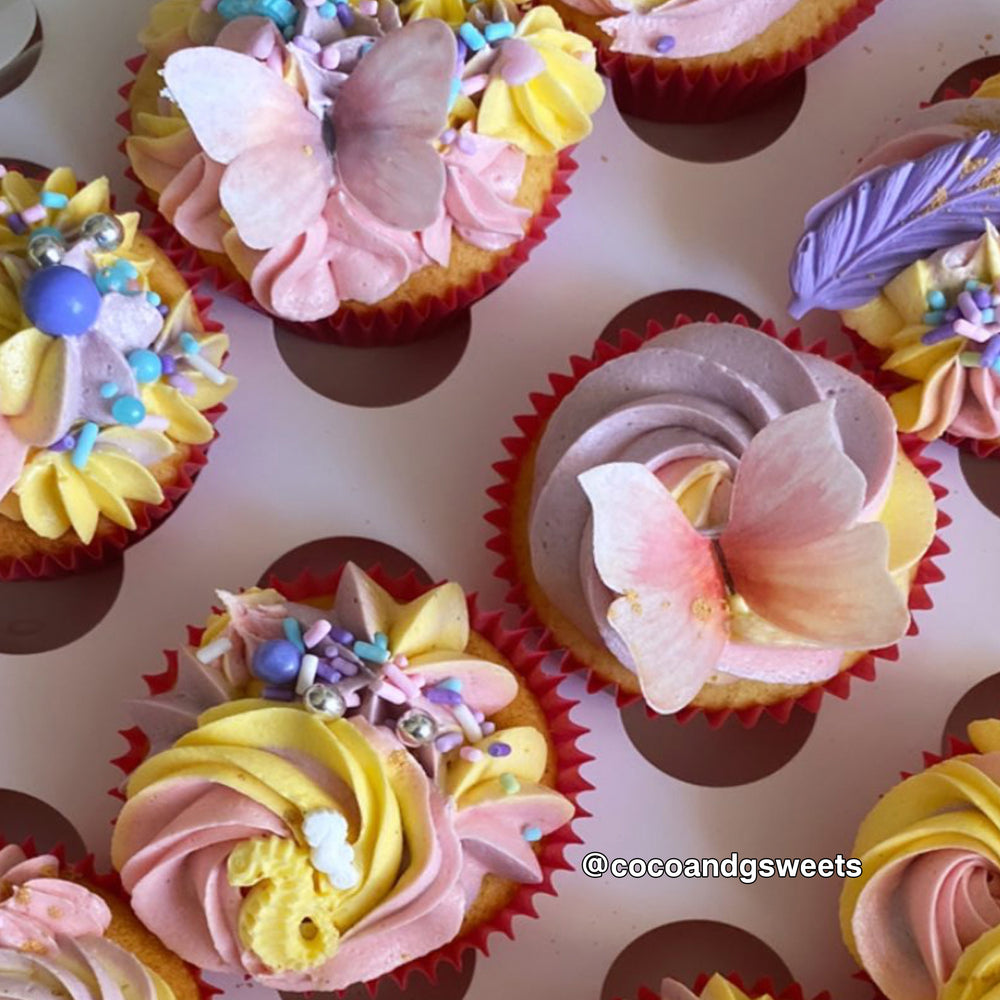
pixel 447 742
pixel 479 717
pixel 341 635
pixel 272 693
pixel 989 315
pixel 442 696
pixel 153 422
pixel 330 57
pixel 365 48
pixel 85 444
pixel 327 10
pixel 982 298
pixel 369 651
pixel 368 7
pixel 465 143
pixel 345 15
pixel 53 199
pixel 509 783
pixel 16 224
pixel 307 673
pixel 936 299
pixel 202 364
pixel 471 754
pixel 325 672
pixel 970 359
pixel 938 335
pixel 499 749
pixel 972 285
pixel 183 385
pixel 951 315
pixel 448 136
pixel 531 834
pixel 211 652
pixel 128 410
pixel 972 331
pixel 351 699
pixel 109 390
pixel 169 363
pixel 390 693
pixel 3 170
pixel 474 84
pixel 933 318
pixel 162 309
pixel 488 728
pixel 394 674
pixel 381 640
pixel 967 304
pixel 472 36
pixel 461 51
pixel 465 718
pixel 293 633
pixel 153 298
pixel 346 667
pixel 188 344
pixel 4 204
pixel 306 43
pixel 33 214
pixel 991 353
pixel 65 444
pixel 456 89
pixel 498 30
pixel 664 44
pixel 402 661
pixel 316 633
pixel 451 684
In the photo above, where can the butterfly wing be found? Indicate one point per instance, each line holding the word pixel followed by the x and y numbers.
pixel 672 614
pixel 385 116
pixel 794 547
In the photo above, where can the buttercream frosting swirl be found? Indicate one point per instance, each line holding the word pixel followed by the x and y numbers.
pixel 924 918
pixel 717 988
pixel 678 416
pixel 218 840
pixel 51 939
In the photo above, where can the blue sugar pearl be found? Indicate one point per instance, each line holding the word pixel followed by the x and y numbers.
pixel 497 30
pixel 53 199
pixel 472 36
pixel 126 269
pixel 128 410
pixel 936 299
pixel 107 280
pixel 146 364
pixel 451 684
pixel 109 390
pixel 665 43
pixel 328 11
pixel 61 301
pixel 531 834
pixel 153 299
pixel 276 661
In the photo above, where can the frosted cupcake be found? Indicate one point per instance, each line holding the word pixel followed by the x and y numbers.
pixel 908 256
pixel 416 145
pixel 63 939
pixel 924 918
pixel 719 987
pixel 109 378
pixel 332 792
pixel 772 530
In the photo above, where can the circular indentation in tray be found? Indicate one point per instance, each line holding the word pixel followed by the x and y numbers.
pixel 686 949
pixel 722 142
pixel 960 81
pixel 452 984
pixel 39 615
pixel 324 555
pixel 665 307
pixel 21 40
pixel 23 816
pixel 716 758
pixel 982 475
pixel 27 167
pixel 981 701
pixel 377 376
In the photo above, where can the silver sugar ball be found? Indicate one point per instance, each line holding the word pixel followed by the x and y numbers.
pixel 326 700
pixel 105 230
pixel 46 249
pixel 415 728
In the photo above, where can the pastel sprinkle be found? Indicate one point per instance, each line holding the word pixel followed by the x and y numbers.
pixel 128 410
pixel 368 7
pixel 293 633
pixel 153 422
pixel 66 444
pixel 54 199
pixel 365 48
pixel 936 299
pixel 456 89
pixel 326 672
pixel 938 335
pixel 465 144
pixel 341 635
pixel 451 684
pixel 162 309
pixel 169 363
pixel 970 359
pixel 203 365
pixel 471 754
pixel 183 385
pixel 509 783
pixel 498 30
pixel 211 652
pixel 989 315
pixel 382 640
pixel 967 304
pixel 153 298
pixel 390 693
pixel 448 136
pixel 442 696
pixel 982 298
pixel 474 84
pixel 933 318
pixel 472 36
pixel 447 742
pixel 327 10
pixel 330 57
pixel 316 633
pixel 394 674
pixel 972 285
pixel 531 834
pixel 488 728
pixel 188 344
pixel 465 718
pixel 345 15
pixel 479 717
pixel 499 749
pixel 307 673
pixel 33 214
pixel 369 651
pixel 665 43
pixel 272 693
pixel 306 43
pixel 16 224
pixel 108 390
pixel 346 667
pixel 85 444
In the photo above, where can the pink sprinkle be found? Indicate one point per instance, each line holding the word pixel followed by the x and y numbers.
pixel 316 633
pixel 306 43
pixel 479 717
pixel 33 214
pixel 474 84
pixel 183 385
pixel 314 3
pixel 973 331
pixel 262 45
pixel 401 681
pixel 465 143
pixel 330 57
pixel 402 661
pixel 417 679
pixel 390 693
pixel 368 7
pixel 471 754
pixel 448 742
pixel 448 136
pixel 351 699
pixel 488 728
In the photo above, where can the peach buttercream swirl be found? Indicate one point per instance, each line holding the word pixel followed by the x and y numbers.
pixel 924 918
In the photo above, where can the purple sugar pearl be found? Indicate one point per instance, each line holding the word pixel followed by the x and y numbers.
pixel 499 749
pixel 169 364
pixel 665 43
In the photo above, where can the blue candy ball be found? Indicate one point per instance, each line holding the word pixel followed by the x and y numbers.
pixel 276 661
pixel 146 364
pixel 128 410
pixel 61 301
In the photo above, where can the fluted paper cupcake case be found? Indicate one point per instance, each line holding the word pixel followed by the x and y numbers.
pixel 509 470
pixel 105 548
pixel 562 730
pixel 402 324
pixel 760 988
pixel 663 91
pixel 86 872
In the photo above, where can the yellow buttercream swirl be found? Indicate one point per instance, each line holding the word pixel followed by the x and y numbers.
pixel 451 11
pixel 553 109
pixel 990 87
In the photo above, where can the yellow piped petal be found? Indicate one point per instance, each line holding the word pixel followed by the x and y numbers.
pixel 21 358
pixel 124 476
pixel 111 505
pixel 77 501
pixel 876 321
pixel 452 11
pixel 527 757
pixel 438 620
pixel 186 424
pixel 41 504
pixel 989 87
pixel 909 514
pixel 984 735
pixel 18 191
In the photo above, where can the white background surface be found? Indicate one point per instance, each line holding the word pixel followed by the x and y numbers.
pixel 292 466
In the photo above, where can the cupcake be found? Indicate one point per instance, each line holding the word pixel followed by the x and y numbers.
pixel 907 253
pixel 719 987
pixel 419 149
pixel 109 378
pixel 334 789
pixel 707 60
pixel 923 919
pixel 772 530
pixel 66 933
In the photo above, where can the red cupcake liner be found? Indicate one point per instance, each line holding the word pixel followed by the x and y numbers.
pixel 671 92
pixel 562 730
pixel 105 548
pixel 382 328
pixel 85 870
pixel 763 987
pixel 509 470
